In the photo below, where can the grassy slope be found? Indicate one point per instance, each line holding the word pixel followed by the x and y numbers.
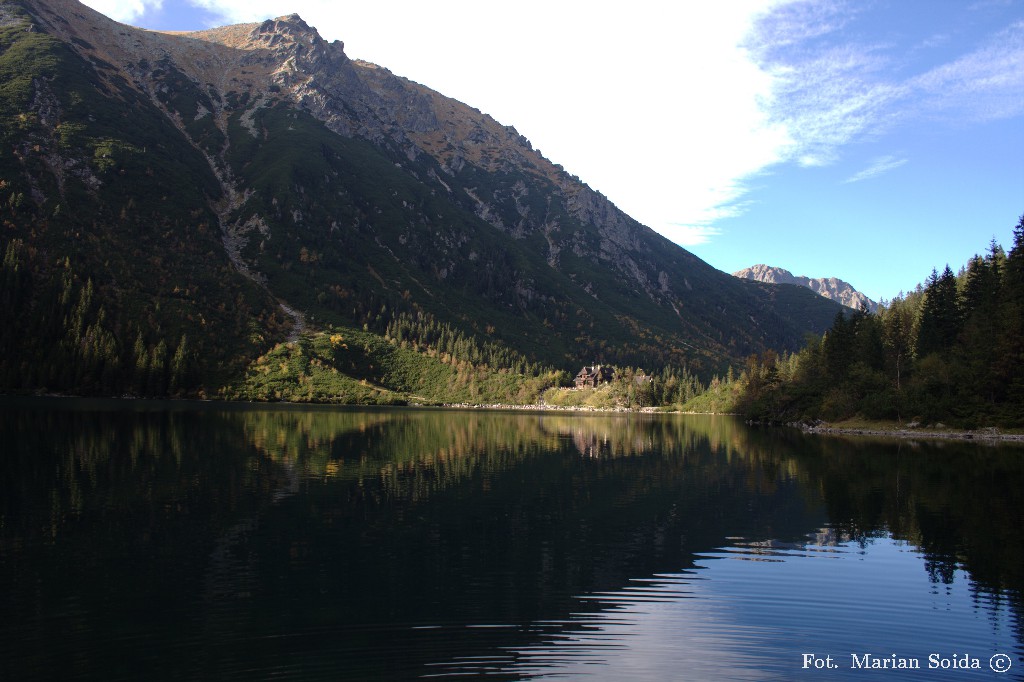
pixel 349 366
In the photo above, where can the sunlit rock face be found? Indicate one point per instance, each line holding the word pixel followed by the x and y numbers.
pixel 311 186
pixel 830 287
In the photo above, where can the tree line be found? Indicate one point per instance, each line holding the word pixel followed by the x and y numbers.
pixel 420 330
pixel 951 351
pixel 66 339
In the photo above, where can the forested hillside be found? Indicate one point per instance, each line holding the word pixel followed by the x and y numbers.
pixel 952 351
pixel 178 210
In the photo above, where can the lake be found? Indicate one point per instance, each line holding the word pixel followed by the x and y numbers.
pixel 151 540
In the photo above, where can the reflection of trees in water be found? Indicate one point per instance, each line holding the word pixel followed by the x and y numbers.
pixel 956 501
pixel 414 454
pixel 507 515
pixel 65 461
pixel 107 515
pixel 490 517
pixel 324 442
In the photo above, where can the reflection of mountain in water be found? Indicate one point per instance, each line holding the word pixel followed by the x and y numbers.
pixel 641 494
pixel 343 534
pixel 431 435
pixel 449 519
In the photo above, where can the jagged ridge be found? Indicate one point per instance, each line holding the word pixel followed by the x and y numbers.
pixel 830 287
pixel 347 194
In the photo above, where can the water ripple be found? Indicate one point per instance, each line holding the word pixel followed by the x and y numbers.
pixel 751 610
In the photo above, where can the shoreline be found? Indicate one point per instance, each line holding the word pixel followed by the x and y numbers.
pixel 498 407
pixel 990 434
pixel 910 432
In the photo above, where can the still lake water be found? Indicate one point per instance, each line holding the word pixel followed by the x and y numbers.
pixel 197 541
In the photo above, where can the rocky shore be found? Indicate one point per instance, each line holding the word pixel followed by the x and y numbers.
pixel 548 408
pixel 909 431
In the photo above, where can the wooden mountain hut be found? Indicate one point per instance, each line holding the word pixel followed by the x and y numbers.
pixel 593 376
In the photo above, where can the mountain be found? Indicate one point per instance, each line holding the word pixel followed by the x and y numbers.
pixel 831 288
pixel 176 205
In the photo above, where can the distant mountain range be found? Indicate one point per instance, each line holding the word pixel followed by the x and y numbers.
pixel 193 199
pixel 831 288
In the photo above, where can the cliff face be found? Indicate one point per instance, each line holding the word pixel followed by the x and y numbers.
pixel 338 192
pixel 830 287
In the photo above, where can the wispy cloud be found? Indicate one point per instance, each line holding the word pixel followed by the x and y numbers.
pixel 794 24
pixel 881 165
pixel 691 235
pixel 829 91
pixel 932 41
pixel 826 92
pixel 983 85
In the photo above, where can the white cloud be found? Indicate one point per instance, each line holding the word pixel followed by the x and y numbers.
pixel 690 235
pixel 125 11
pixel 881 165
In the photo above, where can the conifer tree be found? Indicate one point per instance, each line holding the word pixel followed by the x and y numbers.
pixel 1014 276
pixel 140 357
pixel 836 347
pixel 979 339
pixel 898 338
pixel 940 315
pixel 179 366
pixel 157 384
pixel 1011 349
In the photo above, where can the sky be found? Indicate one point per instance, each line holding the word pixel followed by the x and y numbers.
pixel 870 140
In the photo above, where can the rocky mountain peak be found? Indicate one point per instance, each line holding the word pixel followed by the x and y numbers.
pixel 831 288
pixel 289 32
pixel 291 24
pixel 339 190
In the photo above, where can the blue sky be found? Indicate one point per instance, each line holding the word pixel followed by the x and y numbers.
pixel 869 140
